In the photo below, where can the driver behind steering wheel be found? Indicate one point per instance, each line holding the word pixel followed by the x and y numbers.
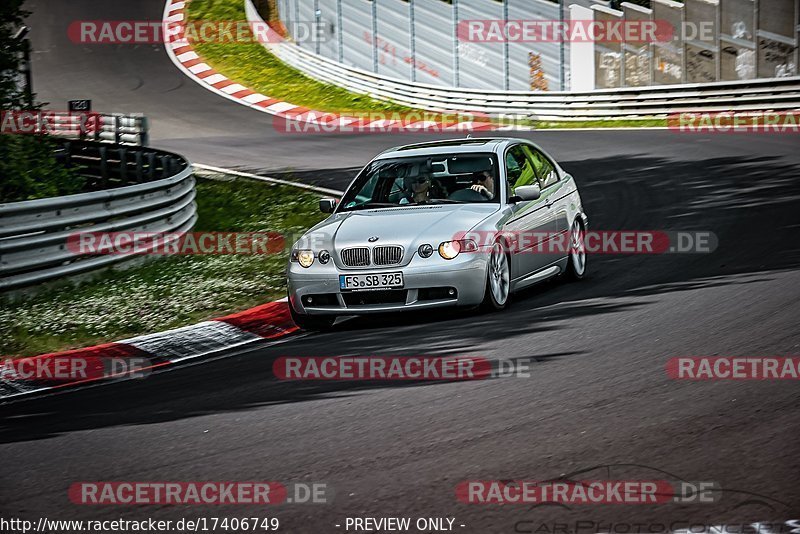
pixel 483 183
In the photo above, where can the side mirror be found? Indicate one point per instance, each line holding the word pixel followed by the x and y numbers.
pixel 327 205
pixel 526 192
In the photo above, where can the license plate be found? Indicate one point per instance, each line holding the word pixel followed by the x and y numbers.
pixel 371 281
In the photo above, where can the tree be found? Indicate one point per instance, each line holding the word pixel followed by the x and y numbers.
pixel 11 20
pixel 28 166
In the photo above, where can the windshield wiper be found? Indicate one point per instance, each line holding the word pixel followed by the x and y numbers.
pixel 370 205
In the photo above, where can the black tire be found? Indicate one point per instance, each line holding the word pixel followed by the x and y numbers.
pixel 491 300
pixel 577 258
pixel 312 323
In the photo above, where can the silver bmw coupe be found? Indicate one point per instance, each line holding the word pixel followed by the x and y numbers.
pixel 451 223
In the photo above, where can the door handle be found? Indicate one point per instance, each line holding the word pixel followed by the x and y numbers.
pixel 548 202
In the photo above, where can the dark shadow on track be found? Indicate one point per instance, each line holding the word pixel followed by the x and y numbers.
pixel 750 203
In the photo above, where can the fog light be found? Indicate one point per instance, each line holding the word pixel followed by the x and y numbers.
pixel 425 251
pixel 451 292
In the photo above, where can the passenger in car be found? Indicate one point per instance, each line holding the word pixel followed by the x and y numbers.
pixel 420 188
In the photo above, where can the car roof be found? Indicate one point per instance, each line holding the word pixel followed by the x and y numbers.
pixel 448 146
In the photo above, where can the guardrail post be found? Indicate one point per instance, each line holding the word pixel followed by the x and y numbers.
pixel 151 165
pixel 67 154
pixel 104 165
pixel 164 166
pixel 123 164
pixel 139 165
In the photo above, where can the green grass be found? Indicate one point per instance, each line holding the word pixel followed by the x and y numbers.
pixel 167 292
pixel 256 68
pixel 616 123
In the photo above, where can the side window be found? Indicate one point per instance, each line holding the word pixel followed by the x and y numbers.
pixel 544 168
pixel 519 169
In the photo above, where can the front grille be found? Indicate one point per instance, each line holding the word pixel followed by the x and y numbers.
pixel 355 257
pixel 365 298
pixel 387 255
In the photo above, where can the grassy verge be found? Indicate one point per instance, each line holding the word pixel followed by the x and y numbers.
pixel 253 66
pixel 617 123
pixel 171 291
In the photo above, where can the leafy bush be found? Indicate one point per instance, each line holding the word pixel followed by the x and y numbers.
pixel 29 169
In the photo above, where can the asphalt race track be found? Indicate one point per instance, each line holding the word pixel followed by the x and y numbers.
pixel 598 394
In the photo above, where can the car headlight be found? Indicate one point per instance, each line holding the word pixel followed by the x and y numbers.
pixel 425 251
pixel 324 256
pixel 304 257
pixel 450 249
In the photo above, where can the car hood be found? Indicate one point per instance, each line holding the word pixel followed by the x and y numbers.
pixel 407 226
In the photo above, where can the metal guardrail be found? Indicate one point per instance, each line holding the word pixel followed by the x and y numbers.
pixel 136 189
pixel 652 101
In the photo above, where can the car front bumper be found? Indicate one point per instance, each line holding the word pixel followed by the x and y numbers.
pixel 430 283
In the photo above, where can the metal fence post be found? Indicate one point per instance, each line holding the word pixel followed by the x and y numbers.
pixel 412 32
pixel 456 59
pixel 506 74
pixel 561 56
pixel 317 18
pixel 375 36
pixel 341 30
pixel 164 166
pixel 123 164
pixel 151 165
pixel 139 167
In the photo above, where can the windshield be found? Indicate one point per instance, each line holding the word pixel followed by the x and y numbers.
pixel 441 179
